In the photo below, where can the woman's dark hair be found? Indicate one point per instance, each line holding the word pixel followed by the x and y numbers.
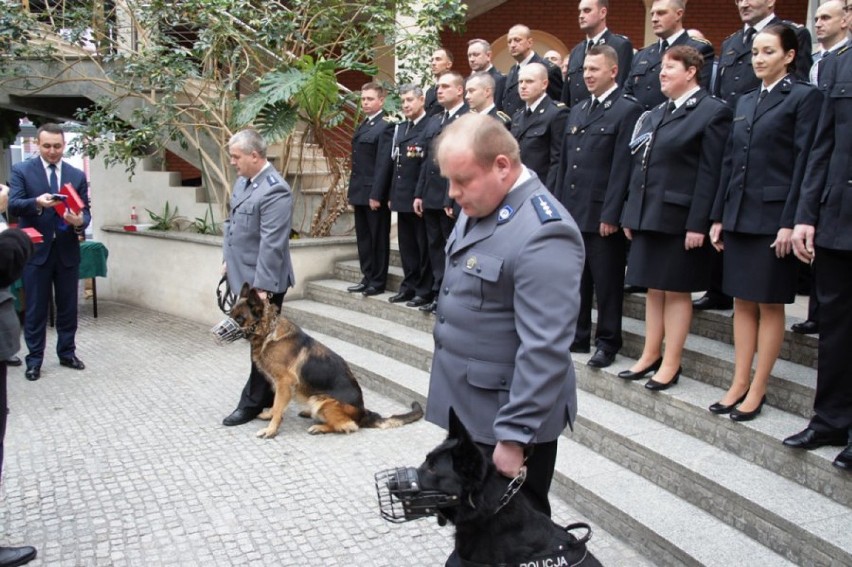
pixel 787 38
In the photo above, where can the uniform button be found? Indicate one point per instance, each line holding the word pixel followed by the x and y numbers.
pixel 742 168
pixel 572 186
pixel 455 263
pixel 438 346
pixel 526 429
pixel 574 167
pixel 502 381
pixel 578 149
pixel 441 319
pixel 446 291
pixel 478 270
pixel 648 88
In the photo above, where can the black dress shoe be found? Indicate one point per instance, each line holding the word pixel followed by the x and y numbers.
pixel 639 374
pixel 711 302
pixel 240 416
pixel 33 373
pixel 806 328
pixel 577 347
pixel 372 291
pixel 811 439
pixel 738 415
pixel 419 301
pixel 719 408
pixel 72 362
pixel 14 361
pixel 14 556
pixel 430 307
pixel 401 296
pixel 844 459
pixel 635 289
pixel 652 384
pixel 358 288
pixel 601 359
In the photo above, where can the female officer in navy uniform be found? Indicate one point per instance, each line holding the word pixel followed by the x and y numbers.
pixel 764 165
pixel 677 158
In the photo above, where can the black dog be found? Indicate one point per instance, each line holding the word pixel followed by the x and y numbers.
pixel 495 524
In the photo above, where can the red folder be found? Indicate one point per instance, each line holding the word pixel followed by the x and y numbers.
pixel 72 201
pixel 34 235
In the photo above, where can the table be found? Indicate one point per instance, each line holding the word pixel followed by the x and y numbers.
pixel 93 264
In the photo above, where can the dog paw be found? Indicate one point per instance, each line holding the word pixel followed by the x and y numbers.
pixel 265 415
pixel 266 433
pixel 318 429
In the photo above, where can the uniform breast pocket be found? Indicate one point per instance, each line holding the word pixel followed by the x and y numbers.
pixel 727 61
pixel 246 214
pixel 679 199
pixel 604 130
pixel 480 272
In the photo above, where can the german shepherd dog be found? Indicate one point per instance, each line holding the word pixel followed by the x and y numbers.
pixel 489 529
pixel 295 363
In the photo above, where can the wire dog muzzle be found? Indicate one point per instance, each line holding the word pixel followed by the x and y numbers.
pixel 227 331
pixel 401 498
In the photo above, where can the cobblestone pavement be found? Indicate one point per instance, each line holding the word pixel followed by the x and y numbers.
pixel 127 463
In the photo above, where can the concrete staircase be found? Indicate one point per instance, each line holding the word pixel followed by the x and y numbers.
pixel 672 481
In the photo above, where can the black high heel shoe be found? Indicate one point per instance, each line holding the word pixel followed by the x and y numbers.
pixel 652 384
pixel 738 415
pixel 639 374
pixel 719 408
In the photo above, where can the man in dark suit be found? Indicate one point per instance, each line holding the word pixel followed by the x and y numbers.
pixel 520 42
pixel 479 59
pixel 15 248
pixel 430 198
pixel 592 184
pixel 832 34
pixel 56 261
pixel 256 246
pixel 592 20
pixel 479 96
pixel 408 153
pixel 369 184
pixel 734 77
pixel 539 126
pixel 643 81
pixel 441 62
pixel 823 232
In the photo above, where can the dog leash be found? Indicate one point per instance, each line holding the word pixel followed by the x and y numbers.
pixel 513 488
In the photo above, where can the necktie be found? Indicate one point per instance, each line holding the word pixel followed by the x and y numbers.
pixel 760 98
pixel 749 36
pixel 248 184
pixel 813 76
pixel 594 105
pixel 664 45
pixel 446 117
pixel 408 127
pixel 671 107
pixel 528 112
pixel 53 179
pixel 590 45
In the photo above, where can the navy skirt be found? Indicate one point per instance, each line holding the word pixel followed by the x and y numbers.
pixel 659 261
pixel 752 271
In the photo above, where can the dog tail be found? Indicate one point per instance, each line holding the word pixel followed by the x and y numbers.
pixel 372 419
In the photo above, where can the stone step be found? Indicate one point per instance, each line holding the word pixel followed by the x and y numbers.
pixel 719 326
pixel 404 383
pixel 794 521
pixel 791 386
pixel 597 486
pixel 716 325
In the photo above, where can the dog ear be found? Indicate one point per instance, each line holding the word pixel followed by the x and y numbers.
pixel 456 426
pixel 255 303
pixel 467 456
pixel 244 291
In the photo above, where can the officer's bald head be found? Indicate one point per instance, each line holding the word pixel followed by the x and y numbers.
pixel 485 137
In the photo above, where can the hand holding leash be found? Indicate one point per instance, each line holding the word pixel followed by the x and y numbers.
pixel 509 458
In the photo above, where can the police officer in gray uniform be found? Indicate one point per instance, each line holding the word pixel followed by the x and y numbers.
pixel 256 246
pixel 508 307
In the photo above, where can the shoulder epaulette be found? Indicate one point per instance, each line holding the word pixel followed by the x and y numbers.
pixel 389 119
pixel 558 103
pixel 271 179
pixel 843 49
pixel 545 209
pixel 793 24
pixel 503 116
pixel 621 36
pixel 732 35
pixel 700 40
pixel 630 97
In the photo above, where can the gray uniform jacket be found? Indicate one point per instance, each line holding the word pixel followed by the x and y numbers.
pixel 506 318
pixel 257 234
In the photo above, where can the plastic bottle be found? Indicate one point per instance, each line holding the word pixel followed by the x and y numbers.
pixel 133 218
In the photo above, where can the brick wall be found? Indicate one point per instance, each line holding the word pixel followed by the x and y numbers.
pixel 717 19
pixel 188 172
